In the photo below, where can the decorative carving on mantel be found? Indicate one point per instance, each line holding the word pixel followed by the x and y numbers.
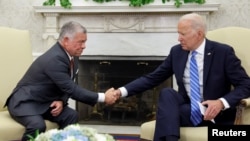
pixel 124 23
pixel 82 8
pixel 104 18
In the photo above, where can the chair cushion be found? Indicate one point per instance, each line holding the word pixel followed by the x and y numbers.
pixel 194 134
pixel 186 133
pixel 11 130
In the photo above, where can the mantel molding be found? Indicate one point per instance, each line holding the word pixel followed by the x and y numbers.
pixel 124 22
pixel 124 8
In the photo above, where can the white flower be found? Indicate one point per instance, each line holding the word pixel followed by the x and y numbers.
pixel 100 137
pixel 73 133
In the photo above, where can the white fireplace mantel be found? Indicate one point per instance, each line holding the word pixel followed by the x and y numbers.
pixel 122 7
pixel 149 30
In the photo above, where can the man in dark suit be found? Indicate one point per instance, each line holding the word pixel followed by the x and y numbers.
pixel 218 69
pixel 44 90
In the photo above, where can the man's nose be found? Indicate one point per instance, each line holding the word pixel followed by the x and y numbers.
pixel 179 38
pixel 83 46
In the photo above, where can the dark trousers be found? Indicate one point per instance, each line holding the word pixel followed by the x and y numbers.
pixel 36 122
pixel 172 112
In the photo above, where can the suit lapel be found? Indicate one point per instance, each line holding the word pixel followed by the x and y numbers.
pixel 208 56
pixel 181 64
pixel 75 69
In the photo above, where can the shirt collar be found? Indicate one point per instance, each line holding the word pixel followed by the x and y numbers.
pixel 201 48
pixel 70 57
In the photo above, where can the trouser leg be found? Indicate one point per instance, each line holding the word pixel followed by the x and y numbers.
pixel 68 116
pixel 168 115
pixel 32 125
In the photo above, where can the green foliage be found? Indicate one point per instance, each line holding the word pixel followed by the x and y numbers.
pixel 49 2
pixel 133 3
pixel 178 3
pixel 63 3
pixel 102 1
pixel 31 138
pixel 139 3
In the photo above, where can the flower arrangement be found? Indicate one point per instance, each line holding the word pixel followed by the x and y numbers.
pixel 133 3
pixel 72 133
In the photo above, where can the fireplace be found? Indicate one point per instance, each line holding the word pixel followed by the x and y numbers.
pixel 100 73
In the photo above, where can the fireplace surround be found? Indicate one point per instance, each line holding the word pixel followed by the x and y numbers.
pixel 119 35
pixel 100 73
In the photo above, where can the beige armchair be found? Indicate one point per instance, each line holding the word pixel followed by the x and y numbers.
pixel 238 38
pixel 16 56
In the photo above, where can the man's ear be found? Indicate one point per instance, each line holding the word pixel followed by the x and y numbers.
pixel 65 41
pixel 200 33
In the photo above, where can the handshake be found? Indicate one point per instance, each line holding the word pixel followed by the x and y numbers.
pixel 112 95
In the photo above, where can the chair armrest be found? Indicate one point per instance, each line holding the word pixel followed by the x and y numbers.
pixel 245 102
pixel 243 112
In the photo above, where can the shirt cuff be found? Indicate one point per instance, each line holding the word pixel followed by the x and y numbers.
pixel 124 91
pixel 101 97
pixel 225 103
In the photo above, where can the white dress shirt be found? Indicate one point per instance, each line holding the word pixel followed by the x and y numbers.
pixel 200 61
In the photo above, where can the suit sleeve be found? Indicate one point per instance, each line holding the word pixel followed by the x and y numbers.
pixel 58 70
pixel 238 77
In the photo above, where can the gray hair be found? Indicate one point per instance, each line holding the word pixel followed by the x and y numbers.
pixel 69 29
pixel 197 22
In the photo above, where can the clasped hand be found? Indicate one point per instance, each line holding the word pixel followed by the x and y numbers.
pixel 213 108
pixel 56 108
pixel 112 95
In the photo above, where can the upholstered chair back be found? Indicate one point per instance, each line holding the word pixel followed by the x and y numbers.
pixel 238 38
pixel 15 58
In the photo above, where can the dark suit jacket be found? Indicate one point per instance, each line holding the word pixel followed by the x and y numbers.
pixel 48 79
pixel 222 69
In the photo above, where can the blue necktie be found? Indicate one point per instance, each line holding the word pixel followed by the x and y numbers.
pixel 196 116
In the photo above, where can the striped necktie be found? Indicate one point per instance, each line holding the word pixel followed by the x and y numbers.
pixel 195 96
